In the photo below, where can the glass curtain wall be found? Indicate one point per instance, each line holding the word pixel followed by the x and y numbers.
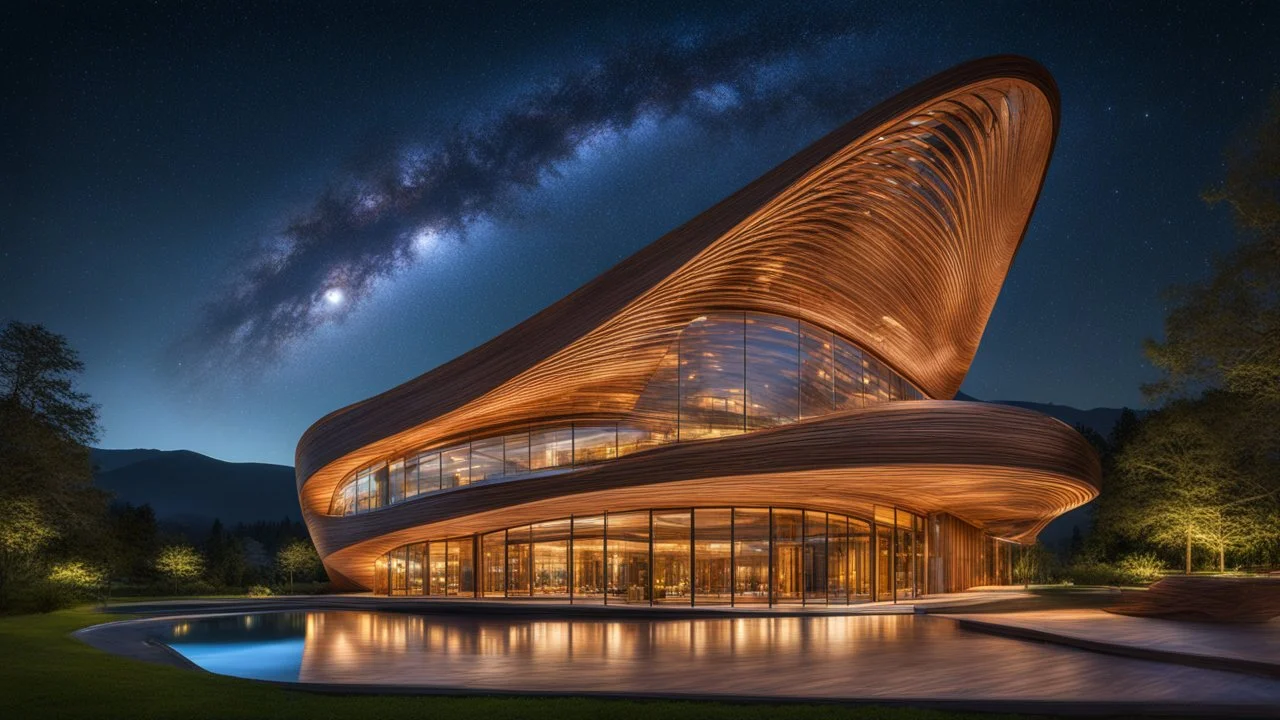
pixel 686 556
pixel 723 374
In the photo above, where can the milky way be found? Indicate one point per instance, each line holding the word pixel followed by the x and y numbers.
pixel 371 225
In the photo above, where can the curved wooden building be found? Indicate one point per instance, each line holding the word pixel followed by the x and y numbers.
pixel 753 409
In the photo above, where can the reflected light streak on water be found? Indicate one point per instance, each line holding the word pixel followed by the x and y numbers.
pixel 824 657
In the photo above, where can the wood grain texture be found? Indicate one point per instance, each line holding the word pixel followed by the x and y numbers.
pixel 895 231
pixel 1200 598
pixel 1005 470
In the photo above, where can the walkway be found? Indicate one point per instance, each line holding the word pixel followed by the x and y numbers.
pixel 1253 649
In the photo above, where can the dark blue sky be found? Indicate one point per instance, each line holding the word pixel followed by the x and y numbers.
pixel 245 216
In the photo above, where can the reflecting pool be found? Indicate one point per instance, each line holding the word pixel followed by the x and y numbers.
pixel 887 656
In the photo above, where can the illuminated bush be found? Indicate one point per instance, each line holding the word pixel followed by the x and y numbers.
pixel 78 577
pixel 1142 568
pixel 179 563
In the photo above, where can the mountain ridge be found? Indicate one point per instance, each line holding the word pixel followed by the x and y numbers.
pixel 188 486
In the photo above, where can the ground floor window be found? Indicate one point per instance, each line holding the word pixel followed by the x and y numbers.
pixel 676 556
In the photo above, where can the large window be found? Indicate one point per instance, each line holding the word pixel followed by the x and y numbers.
pixel 422 474
pixel 773 372
pixel 493 564
pixel 713 555
pixel 551 557
pixel 721 374
pixel 751 556
pixel 594 444
pixel 788 556
pixel 588 557
pixel 672 557
pixel 487 459
pixel 550 448
pixel 627 537
pixel 817 372
pixel 455 466
pixel 712 373
pixel 516 453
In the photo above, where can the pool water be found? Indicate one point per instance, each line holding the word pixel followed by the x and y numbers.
pixel 864 656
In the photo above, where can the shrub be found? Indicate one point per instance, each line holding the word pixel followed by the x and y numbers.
pixel 1095 573
pixel 179 563
pixel 79 578
pixel 1035 565
pixel 260 591
pixel 1142 568
pixel 66 584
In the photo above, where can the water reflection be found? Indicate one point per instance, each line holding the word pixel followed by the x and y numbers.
pixel 861 656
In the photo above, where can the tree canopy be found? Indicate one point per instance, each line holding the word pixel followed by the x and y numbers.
pixel 1205 469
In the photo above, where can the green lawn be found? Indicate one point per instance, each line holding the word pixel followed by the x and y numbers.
pixel 46 673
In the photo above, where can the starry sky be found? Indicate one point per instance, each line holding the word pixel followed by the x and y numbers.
pixel 245 216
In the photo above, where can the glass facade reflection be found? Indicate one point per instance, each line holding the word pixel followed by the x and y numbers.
pixel 676 556
pixel 724 374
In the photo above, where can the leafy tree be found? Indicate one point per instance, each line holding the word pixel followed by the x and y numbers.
pixel 37 371
pixel 179 563
pixel 1179 482
pixel 46 480
pixel 1206 469
pixel 297 557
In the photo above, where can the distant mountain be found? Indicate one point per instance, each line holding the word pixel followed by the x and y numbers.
pixel 184 486
pixel 108 460
pixel 1100 420
pixel 1057 534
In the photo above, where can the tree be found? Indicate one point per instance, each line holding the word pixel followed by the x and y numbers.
pixel 45 425
pixel 37 371
pixel 1224 528
pixel 297 557
pixel 1214 479
pixel 179 563
pixel 1179 481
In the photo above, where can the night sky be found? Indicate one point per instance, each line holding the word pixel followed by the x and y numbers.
pixel 246 216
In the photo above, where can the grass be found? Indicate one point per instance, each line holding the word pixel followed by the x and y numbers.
pixel 48 674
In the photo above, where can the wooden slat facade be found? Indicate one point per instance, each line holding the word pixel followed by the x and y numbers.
pixel 895 231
